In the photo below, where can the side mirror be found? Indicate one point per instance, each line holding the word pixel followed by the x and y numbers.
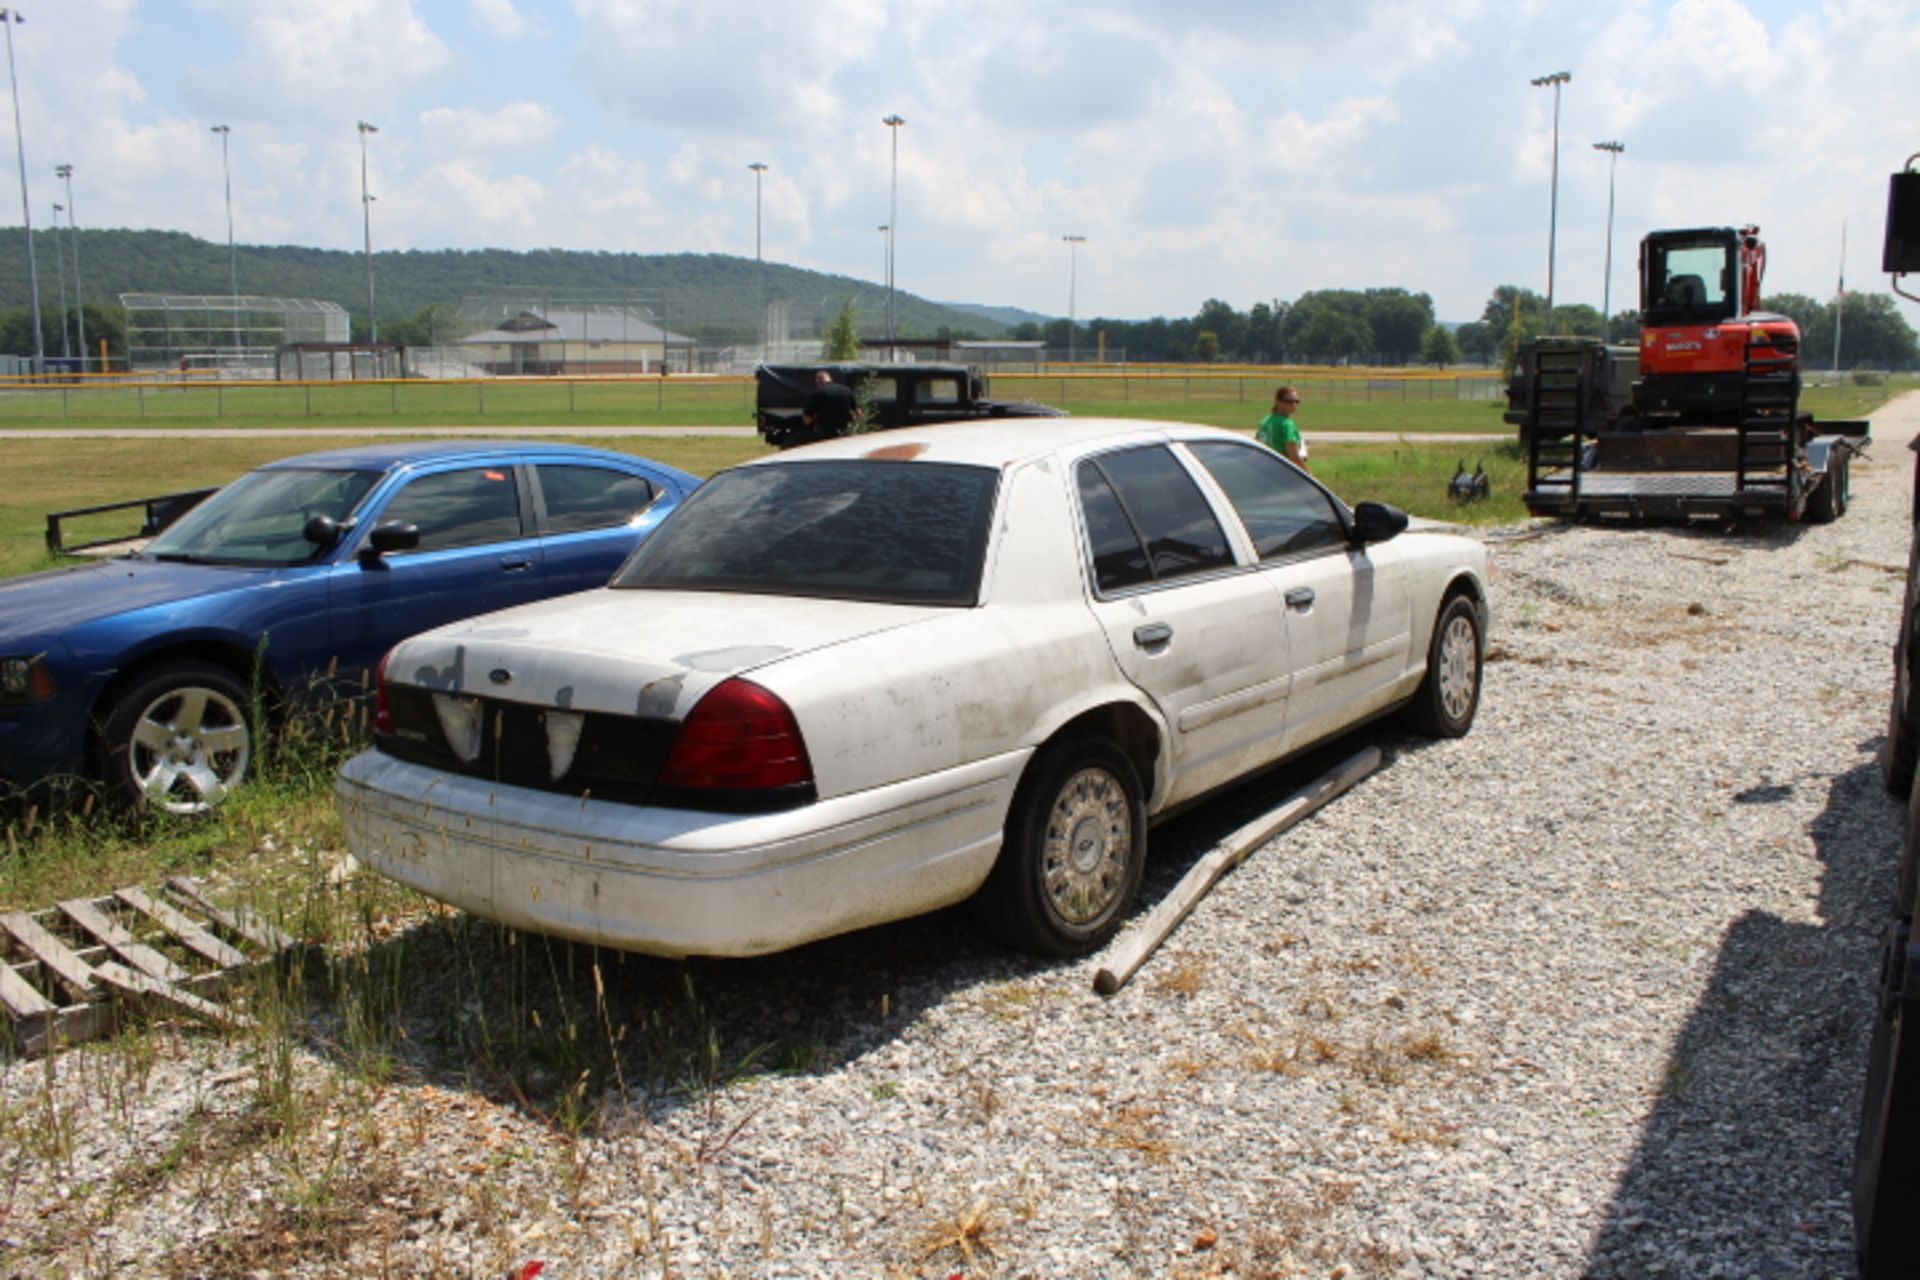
pixel 322 532
pixel 393 535
pixel 1902 253
pixel 1376 522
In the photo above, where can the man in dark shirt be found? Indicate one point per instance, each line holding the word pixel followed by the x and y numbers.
pixel 829 410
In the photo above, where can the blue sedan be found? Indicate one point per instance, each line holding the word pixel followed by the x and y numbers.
pixel 141 672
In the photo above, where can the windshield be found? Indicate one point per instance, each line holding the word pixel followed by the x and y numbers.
pixel 261 517
pixel 895 532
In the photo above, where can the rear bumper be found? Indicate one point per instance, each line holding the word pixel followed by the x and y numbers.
pixel 678 882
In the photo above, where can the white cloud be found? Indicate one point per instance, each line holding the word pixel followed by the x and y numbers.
pixel 498 17
pixel 477 132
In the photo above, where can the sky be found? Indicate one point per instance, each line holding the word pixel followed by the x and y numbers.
pixel 1246 150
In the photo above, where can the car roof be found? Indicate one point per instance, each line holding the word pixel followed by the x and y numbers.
pixel 998 442
pixel 386 455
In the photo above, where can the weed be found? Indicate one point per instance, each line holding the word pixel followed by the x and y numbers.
pixel 962 1230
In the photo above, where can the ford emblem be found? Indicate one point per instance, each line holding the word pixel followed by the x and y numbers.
pixel 500 675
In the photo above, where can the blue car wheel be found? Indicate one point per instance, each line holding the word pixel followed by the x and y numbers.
pixel 178 738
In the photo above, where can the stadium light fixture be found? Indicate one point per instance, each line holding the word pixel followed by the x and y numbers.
pixel 1613 150
pixel 1556 79
pixel 233 262
pixel 366 219
pixel 893 123
pixel 12 18
pixel 1073 245
pixel 65 173
pixel 759 264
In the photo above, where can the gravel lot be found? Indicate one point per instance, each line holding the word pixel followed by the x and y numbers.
pixel 1582 994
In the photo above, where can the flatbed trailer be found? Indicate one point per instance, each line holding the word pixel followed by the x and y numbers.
pixel 1589 456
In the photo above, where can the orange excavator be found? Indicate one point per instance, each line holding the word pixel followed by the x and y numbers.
pixel 1708 353
pixel 1701 420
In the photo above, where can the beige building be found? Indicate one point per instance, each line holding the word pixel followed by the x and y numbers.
pixel 577 342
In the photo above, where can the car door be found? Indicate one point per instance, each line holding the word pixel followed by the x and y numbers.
pixel 591 516
pixel 1201 634
pixel 477 553
pixel 1347 607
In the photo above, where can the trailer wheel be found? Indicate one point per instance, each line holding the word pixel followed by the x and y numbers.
pixel 1821 503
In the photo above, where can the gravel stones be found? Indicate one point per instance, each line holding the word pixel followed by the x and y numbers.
pixel 1583 993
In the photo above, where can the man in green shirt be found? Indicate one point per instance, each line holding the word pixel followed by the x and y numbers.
pixel 1279 432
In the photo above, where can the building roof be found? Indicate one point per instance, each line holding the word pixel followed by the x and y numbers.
pixel 576 326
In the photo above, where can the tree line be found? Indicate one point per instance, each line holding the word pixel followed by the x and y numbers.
pixel 1396 327
pixel 717 297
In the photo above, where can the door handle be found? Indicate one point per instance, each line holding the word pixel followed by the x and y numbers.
pixel 1151 635
pixel 515 564
pixel 1300 598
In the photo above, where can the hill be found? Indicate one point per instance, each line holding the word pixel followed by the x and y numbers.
pixel 700 295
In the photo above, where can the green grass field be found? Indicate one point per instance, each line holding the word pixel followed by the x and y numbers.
pixel 52 474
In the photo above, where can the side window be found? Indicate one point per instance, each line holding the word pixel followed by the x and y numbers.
pixel 460 508
pixel 940 391
pixel 579 497
pixel 1285 513
pixel 1119 560
pixel 1174 532
pixel 885 389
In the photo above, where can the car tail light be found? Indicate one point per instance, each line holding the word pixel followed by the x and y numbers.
pixel 382 710
pixel 740 737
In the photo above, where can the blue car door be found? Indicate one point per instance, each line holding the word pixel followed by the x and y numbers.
pixel 477 553
pixel 591 516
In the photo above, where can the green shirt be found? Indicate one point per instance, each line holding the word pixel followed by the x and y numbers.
pixel 1277 431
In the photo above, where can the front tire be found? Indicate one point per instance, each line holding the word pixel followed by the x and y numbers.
pixel 1448 699
pixel 178 738
pixel 1075 849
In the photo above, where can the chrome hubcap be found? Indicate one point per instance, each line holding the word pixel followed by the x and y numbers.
pixel 190 747
pixel 1459 667
pixel 1089 840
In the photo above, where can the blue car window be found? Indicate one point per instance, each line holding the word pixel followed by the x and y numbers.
pixel 261 518
pixel 462 508
pixel 1285 513
pixel 579 497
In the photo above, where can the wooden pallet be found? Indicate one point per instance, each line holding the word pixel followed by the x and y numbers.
pixel 65 973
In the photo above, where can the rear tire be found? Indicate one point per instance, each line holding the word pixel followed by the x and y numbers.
pixel 1886 1158
pixel 1448 699
pixel 1075 849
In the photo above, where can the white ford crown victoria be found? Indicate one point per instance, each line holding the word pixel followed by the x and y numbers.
pixel 874 676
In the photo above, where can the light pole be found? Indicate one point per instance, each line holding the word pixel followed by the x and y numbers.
pixel 366 218
pixel 893 123
pixel 65 172
pixel 759 264
pixel 1613 150
pixel 233 262
pixel 11 17
pixel 1557 79
pixel 60 274
pixel 1073 246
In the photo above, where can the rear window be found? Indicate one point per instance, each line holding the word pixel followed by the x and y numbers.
pixel 894 532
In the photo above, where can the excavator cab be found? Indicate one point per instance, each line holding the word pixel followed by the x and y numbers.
pixel 1690 277
pixel 1708 355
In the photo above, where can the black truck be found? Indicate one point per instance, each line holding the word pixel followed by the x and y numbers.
pixel 1886 1168
pixel 885 397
